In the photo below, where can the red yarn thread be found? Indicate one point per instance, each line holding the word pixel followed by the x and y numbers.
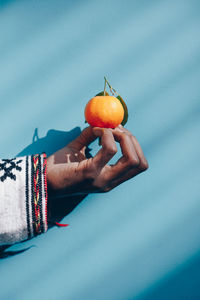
pixel 61 225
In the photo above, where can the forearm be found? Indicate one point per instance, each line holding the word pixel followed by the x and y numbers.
pixel 23 198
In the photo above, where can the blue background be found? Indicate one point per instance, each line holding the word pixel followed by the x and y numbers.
pixel 141 240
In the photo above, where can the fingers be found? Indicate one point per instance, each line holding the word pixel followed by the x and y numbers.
pixel 101 176
pixel 133 160
pixel 108 150
pixel 95 174
pixel 130 157
pixel 143 162
pixel 129 165
pixel 86 137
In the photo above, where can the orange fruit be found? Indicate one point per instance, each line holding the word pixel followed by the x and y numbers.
pixel 104 111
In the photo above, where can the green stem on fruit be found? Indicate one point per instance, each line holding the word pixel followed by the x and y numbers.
pixel 112 90
pixel 104 91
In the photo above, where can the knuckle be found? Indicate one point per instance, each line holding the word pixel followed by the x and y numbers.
pixel 144 165
pixel 129 134
pixel 133 162
pixel 105 189
pixel 124 132
pixel 126 137
pixel 111 150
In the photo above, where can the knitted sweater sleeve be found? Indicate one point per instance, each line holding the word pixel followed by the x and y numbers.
pixel 23 198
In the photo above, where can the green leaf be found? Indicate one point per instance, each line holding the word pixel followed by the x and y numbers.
pixel 125 119
pixel 102 94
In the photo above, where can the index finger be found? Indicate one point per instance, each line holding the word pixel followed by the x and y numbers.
pixel 86 137
pixel 129 159
pixel 108 150
pixel 143 162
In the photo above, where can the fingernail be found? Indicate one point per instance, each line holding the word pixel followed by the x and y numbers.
pixel 120 128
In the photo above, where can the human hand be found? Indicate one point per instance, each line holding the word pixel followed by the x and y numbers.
pixel 70 172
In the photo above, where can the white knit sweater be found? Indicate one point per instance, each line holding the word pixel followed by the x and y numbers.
pixel 23 198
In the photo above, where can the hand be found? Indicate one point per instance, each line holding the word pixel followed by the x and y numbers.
pixel 70 172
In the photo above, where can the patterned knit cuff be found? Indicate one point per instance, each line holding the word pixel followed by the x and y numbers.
pixel 23 198
pixel 36 194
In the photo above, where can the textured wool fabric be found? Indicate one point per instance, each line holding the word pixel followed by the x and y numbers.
pixel 23 198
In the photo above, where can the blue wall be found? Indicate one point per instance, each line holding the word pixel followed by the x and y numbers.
pixel 141 240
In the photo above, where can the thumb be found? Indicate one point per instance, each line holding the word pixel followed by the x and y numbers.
pixel 87 136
